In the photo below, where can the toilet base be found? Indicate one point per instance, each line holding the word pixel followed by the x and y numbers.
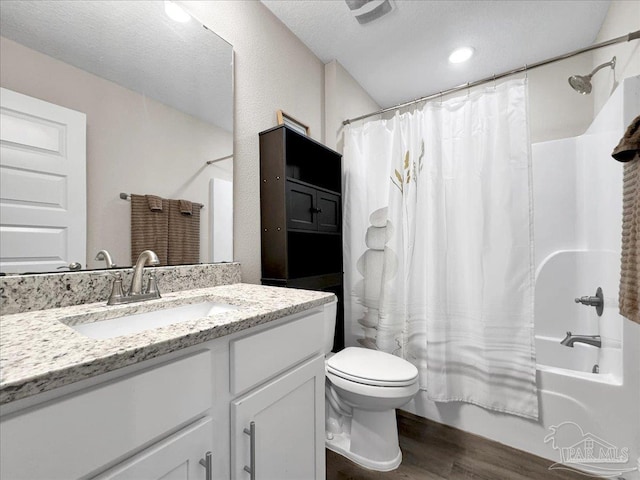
pixel 372 442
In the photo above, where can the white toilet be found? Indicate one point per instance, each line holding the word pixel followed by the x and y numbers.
pixel 363 389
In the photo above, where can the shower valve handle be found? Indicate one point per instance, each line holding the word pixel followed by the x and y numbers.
pixel 593 301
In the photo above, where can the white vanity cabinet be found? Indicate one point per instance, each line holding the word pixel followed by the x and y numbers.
pixel 277 428
pixel 78 434
pixel 178 457
pixel 160 418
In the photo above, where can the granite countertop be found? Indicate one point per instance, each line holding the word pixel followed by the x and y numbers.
pixel 39 352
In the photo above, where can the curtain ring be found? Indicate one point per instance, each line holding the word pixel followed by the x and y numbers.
pixel 440 98
pixel 468 89
pixel 526 72
pixel 494 81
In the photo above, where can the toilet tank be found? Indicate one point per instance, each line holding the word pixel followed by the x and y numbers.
pixel 330 313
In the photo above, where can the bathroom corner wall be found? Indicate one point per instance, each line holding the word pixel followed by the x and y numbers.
pixel 344 98
pixel 555 109
pixel 25 293
pixel 273 70
pixel 623 17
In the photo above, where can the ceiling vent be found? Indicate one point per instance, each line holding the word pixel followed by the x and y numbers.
pixel 367 11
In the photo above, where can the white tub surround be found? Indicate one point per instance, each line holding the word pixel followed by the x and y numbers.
pixel 40 352
pixel 23 293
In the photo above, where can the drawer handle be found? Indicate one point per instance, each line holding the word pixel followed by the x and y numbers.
pixel 251 469
pixel 207 464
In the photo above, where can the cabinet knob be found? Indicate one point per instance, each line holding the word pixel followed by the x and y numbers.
pixel 315 210
pixel 207 464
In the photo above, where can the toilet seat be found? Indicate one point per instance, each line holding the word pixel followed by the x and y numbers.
pixel 372 367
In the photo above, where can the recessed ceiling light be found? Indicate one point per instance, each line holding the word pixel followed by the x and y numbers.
pixel 461 54
pixel 176 12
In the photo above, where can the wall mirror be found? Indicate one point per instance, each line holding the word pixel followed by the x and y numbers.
pixel 158 99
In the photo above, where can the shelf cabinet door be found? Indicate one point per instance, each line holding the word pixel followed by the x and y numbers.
pixel 301 207
pixel 174 458
pixel 328 208
pixel 289 427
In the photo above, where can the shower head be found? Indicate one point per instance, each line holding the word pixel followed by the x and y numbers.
pixel 582 83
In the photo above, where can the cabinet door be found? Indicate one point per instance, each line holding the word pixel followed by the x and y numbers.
pixel 118 417
pixel 301 207
pixel 174 458
pixel 328 208
pixel 288 415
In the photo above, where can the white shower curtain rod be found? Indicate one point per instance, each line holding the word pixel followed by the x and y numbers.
pixel 624 38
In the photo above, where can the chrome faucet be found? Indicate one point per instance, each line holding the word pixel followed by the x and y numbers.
pixel 570 339
pixel 148 257
pixel 136 293
pixel 104 255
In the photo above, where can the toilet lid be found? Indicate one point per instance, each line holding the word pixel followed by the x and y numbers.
pixel 372 367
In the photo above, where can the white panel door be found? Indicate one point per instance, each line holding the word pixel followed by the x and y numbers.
pixel 174 458
pixel 288 414
pixel 42 184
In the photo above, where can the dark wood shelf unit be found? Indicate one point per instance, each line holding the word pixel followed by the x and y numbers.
pixel 301 215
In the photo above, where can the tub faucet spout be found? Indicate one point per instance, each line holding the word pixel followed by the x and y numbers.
pixel 570 339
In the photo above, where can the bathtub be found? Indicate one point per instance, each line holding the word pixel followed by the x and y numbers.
pixel 556 358
pixel 573 401
pixel 561 277
pixel 603 405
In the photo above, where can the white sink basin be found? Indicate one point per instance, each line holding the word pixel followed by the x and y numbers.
pixel 117 327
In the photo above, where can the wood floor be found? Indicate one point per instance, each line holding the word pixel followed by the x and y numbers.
pixel 432 451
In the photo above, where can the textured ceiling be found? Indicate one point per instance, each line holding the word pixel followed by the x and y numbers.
pixel 404 55
pixel 134 44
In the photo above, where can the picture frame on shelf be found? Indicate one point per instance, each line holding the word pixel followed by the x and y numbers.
pixel 289 121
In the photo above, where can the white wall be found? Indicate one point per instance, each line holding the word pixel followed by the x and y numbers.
pixel 555 109
pixel 344 98
pixel 134 145
pixel 273 70
pixel 623 17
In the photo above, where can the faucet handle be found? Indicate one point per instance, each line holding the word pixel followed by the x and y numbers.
pixel 117 293
pixel 152 286
pixel 596 300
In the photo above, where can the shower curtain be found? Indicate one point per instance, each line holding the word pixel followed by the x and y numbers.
pixel 439 245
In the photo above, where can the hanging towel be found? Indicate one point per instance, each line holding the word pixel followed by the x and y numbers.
pixel 629 145
pixel 628 150
pixel 149 227
pixel 186 207
pixel 155 203
pixel 184 234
